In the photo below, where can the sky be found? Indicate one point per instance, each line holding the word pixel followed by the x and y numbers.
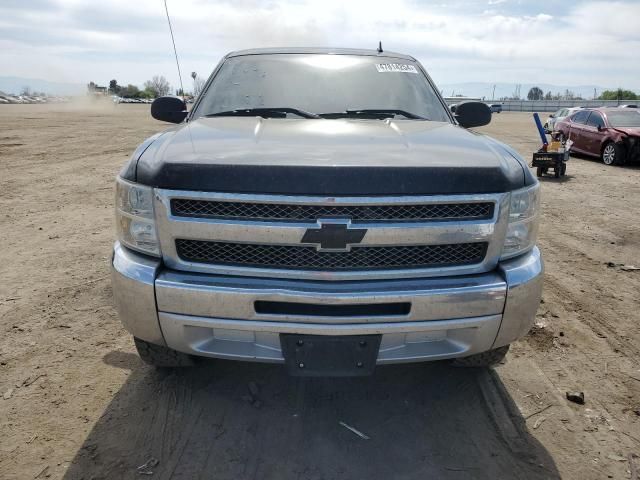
pixel 560 42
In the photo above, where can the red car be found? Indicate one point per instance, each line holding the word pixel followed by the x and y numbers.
pixel 613 134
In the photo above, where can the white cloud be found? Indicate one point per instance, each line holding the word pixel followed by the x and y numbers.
pixel 593 42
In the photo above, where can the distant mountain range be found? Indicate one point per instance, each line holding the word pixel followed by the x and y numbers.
pixel 485 89
pixel 15 85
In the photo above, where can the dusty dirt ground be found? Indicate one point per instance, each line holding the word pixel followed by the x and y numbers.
pixel 76 402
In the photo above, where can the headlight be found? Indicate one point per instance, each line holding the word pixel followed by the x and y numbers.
pixel 523 221
pixel 135 223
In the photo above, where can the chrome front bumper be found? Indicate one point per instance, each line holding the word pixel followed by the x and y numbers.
pixel 215 315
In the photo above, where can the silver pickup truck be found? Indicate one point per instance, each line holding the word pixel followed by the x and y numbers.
pixel 324 209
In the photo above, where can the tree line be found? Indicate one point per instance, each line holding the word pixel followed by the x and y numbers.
pixel 536 93
pixel 619 94
pixel 158 86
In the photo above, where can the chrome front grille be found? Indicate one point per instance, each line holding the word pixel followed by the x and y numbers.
pixel 262 235
pixel 308 258
pixel 264 212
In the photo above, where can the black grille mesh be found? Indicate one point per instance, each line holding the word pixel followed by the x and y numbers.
pixel 308 258
pixel 310 213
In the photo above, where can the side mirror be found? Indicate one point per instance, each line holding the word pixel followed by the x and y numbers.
pixel 600 128
pixel 169 109
pixel 472 114
pixel 553 115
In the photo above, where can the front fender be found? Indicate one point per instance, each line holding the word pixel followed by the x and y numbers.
pixel 128 171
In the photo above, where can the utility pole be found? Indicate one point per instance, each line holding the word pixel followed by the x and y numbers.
pixel 493 95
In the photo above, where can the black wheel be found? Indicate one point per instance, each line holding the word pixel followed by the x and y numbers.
pixel 557 171
pixel 613 154
pixel 539 171
pixel 564 169
pixel 162 357
pixel 484 359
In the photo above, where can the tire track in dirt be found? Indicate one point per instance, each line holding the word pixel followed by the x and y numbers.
pixel 591 303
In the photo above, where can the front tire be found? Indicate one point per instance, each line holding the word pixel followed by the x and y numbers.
pixel 482 360
pixel 612 154
pixel 162 357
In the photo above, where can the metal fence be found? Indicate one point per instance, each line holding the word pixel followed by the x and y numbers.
pixel 552 105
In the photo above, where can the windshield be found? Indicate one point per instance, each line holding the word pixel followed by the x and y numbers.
pixel 624 119
pixel 323 84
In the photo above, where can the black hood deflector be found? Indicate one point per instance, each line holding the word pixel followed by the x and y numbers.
pixel 328 158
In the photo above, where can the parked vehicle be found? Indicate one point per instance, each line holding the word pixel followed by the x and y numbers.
pixel 612 134
pixel 322 208
pixel 495 107
pixel 23 99
pixel 628 106
pixel 558 116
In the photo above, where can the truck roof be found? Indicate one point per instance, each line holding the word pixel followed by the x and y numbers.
pixel 318 50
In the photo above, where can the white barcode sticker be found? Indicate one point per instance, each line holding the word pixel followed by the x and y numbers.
pixel 395 67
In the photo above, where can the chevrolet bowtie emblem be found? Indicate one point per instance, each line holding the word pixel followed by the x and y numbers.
pixel 334 235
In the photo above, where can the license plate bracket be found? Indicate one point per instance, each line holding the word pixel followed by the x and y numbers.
pixel 330 356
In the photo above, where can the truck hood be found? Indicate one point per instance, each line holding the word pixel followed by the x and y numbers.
pixel 329 157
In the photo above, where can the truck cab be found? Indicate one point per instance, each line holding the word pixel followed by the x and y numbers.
pixel 324 209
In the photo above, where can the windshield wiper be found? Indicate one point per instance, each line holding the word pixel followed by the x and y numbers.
pixel 264 112
pixel 373 112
